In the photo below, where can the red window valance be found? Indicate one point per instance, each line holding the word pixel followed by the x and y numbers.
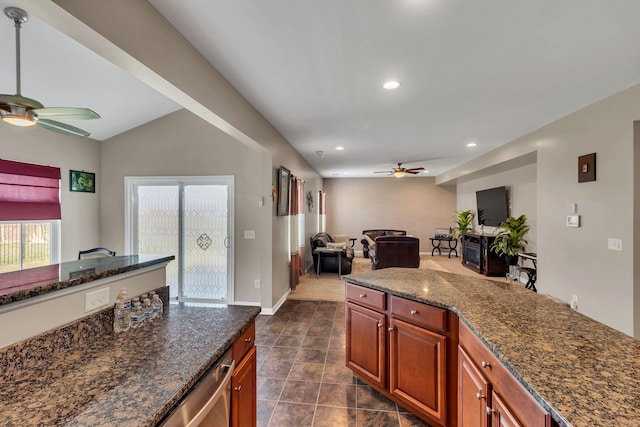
pixel 29 192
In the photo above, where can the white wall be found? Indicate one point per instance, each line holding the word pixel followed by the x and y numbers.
pixel 414 204
pixel 183 144
pixel 135 37
pixel 522 189
pixel 576 261
pixel 80 225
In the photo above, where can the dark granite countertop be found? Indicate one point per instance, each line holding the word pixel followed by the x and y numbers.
pixel 129 379
pixel 20 285
pixel 583 372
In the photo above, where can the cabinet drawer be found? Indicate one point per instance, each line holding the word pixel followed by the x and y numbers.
pixel 419 313
pixel 365 296
pixel 244 343
pixel 524 406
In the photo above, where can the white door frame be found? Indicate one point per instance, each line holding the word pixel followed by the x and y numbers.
pixel 131 184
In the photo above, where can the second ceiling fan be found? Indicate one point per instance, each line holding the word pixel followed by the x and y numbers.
pixel 399 171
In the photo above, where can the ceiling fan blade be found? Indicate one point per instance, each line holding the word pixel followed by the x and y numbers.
pixel 414 170
pixel 19 100
pixel 383 172
pixel 66 113
pixel 63 128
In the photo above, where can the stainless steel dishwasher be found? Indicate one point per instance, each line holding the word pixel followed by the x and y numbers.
pixel 209 401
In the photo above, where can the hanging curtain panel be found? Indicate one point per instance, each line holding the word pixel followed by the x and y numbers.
pixel 29 192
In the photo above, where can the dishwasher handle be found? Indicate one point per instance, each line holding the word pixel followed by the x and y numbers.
pixel 195 421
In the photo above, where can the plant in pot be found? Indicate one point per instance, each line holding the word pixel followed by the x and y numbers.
pixel 510 240
pixel 463 223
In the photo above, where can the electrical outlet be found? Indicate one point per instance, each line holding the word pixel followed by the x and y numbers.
pixel 256 283
pixel 574 302
pixel 96 299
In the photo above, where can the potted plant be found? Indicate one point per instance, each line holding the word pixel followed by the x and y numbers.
pixel 463 223
pixel 510 239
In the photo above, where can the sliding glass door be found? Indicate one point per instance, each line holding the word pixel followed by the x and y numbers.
pixel 191 218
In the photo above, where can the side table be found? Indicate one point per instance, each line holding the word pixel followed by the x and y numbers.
pixel 452 245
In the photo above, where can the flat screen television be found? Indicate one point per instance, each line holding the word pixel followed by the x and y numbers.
pixel 493 206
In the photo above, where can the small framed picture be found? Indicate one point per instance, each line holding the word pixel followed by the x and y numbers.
pixel 284 175
pixel 83 182
pixel 587 168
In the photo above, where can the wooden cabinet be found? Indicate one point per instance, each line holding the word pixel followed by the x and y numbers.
pixel 417 365
pixel 366 343
pixel 488 395
pixel 401 348
pixel 478 256
pixel 243 380
pixel 473 390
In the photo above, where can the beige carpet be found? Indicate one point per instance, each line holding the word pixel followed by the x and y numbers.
pixel 329 287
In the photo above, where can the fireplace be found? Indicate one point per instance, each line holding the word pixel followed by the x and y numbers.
pixel 472 253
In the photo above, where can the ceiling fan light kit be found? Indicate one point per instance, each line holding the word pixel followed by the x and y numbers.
pixel 399 172
pixel 21 111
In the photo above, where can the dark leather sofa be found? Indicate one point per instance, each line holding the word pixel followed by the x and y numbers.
pixel 395 251
pixel 329 261
pixel 374 234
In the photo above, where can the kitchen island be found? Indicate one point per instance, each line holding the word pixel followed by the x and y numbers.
pixel 87 376
pixel 580 371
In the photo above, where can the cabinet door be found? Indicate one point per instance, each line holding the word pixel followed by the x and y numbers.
pixel 418 368
pixel 243 392
pixel 501 414
pixel 473 393
pixel 366 346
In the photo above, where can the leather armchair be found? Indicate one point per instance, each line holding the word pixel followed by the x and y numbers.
pixel 329 261
pixel 374 234
pixel 395 251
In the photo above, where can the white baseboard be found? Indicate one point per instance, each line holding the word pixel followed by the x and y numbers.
pixel 271 311
pixel 251 303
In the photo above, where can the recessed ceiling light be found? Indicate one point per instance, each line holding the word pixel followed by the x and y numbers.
pixel 391 85
pixel 471 144
pixel 339 148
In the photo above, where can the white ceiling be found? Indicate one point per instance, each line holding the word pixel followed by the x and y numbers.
pixel 486 71
pixel 60 72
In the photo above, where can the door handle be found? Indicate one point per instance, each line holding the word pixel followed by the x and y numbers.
pixel 226 242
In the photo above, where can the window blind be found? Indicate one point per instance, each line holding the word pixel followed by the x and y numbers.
pixel 29 192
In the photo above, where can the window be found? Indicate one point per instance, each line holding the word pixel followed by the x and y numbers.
pixel 29 215
pixel 28 244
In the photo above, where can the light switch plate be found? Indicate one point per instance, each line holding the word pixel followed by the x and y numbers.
pixel 614 244
pixel 573 220
pixel 249 234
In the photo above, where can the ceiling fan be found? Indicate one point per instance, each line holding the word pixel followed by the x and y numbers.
pixel 21 111
pixel 399 172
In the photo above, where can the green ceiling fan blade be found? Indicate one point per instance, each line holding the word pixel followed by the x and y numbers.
pixel 66 113
pixel 63 128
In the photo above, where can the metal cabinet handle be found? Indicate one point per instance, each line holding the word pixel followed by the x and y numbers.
pixel 485 364
pixel 480 396
pixel 489 411
pixel 379 324
pixel 363 295
pixel 414 312
pixel 247 340
pixel 238 389
pixel 390 329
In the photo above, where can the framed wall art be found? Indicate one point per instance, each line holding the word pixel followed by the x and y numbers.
pixel 587 168
pixel 284 176
pixel 81 181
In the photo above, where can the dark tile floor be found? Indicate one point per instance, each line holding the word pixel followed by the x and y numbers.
pixel 302 378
